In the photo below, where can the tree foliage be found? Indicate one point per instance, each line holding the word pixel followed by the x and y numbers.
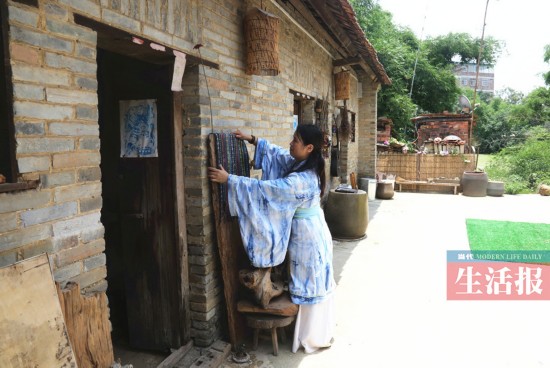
pixel 433 84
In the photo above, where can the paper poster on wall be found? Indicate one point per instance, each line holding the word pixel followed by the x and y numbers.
pixel 294 122
pixel 138 128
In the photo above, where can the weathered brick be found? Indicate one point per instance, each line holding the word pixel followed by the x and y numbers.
pixel 21 237
pixel 46 145
pixel 67 29
pixel 199 316
pixel 25 53
pixel 87 83
pixel 76 159
pixel 23 16
pixel 60 243
pixel 56 11
pixel 66 62
pixel 98 287
pixel 84 6
pixel 57 179
pixel 42 111
pixel 91 277
pixel 28 92
pixel 80 252
pixel 63 274
pixel 85 51
pixel 75 192
pixel 41 40
pixel 46 214
pixel 120 20
pixel 8 222
pixel 95 262
pixel 86 112
pixel 67 96
pixel 92 234
pixel 76 224
pixel 33 164
pixel 73 128
pixel 41 76
pixel 89 174
pixel 16 201
pixel 89 143
pixel 90 204
pixel 43 246
pixel 25 128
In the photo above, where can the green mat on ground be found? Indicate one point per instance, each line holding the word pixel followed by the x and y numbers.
pixel 507 235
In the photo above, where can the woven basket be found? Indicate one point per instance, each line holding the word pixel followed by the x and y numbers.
pixel 342 85
pixel 262 43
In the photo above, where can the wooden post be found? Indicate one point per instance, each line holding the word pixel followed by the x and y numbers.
pixel 232 256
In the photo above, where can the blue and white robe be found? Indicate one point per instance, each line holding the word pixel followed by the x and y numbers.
pixel 280 213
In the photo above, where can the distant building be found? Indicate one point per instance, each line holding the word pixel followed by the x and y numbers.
pixel 466 77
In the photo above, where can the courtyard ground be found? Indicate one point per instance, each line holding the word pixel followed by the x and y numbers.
pixel 392 309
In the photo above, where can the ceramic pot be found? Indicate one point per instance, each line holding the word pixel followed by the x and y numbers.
pixel 384 190
pixel 347 214
pixel 495 188
pixel 474 184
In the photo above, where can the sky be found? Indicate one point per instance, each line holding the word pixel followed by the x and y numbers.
pixel 522 25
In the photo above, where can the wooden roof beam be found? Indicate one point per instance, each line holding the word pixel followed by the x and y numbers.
pixel 321 8
pixel 348 61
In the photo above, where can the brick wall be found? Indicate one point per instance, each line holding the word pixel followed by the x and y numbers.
pixel 56 121
pixel 55 116
pixel 366 164
pixel 434 129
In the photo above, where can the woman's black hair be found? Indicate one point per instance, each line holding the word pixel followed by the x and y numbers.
pixel 310 134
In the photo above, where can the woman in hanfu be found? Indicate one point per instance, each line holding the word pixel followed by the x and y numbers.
pixel 282 212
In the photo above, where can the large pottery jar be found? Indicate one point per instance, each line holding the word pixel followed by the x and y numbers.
pixel 474 184
pixel 347 214
pixel 495 188
pixel 384 190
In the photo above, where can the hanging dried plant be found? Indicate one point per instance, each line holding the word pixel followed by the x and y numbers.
pixel 344 124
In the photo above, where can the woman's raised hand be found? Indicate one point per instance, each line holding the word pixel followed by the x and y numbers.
pixel 241 135
pixel 218 175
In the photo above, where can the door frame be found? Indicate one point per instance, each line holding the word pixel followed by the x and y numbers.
pixel 109 39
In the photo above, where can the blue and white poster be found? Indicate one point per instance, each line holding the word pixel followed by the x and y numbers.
pixel 138 128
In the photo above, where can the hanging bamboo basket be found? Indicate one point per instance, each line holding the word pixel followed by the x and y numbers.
pixel 262 43
pixel 342 85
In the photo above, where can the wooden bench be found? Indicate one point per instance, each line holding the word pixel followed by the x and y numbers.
pixel 429 184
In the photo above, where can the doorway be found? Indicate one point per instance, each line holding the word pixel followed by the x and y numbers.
pixel 139 210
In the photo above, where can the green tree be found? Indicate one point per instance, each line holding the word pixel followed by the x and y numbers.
pixel 434 87
pixel 547 60
pixel 461 48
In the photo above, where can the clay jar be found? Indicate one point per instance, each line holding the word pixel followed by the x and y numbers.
pixel 495 188
pixel 384 190
pixel 474 184
pixel 347 214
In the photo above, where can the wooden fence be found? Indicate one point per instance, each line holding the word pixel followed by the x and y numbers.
pixel 422 167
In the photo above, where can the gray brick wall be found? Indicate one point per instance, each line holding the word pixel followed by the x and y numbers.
pixel 56 113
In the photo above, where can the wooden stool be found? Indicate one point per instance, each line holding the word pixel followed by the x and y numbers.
pixel 262 321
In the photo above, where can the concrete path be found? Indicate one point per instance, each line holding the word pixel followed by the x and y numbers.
pixel 391 297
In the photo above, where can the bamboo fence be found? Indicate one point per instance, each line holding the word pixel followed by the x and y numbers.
pixel 425 166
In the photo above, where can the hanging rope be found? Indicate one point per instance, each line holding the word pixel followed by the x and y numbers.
pixel 198 48
pixel 231 153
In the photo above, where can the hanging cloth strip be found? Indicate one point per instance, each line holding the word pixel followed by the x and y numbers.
pixel 231 153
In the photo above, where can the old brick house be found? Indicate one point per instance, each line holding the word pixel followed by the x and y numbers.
pixel 140 228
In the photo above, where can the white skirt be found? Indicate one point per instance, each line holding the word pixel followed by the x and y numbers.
pixel 315 325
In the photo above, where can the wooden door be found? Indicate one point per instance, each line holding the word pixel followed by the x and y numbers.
pixel 139 210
